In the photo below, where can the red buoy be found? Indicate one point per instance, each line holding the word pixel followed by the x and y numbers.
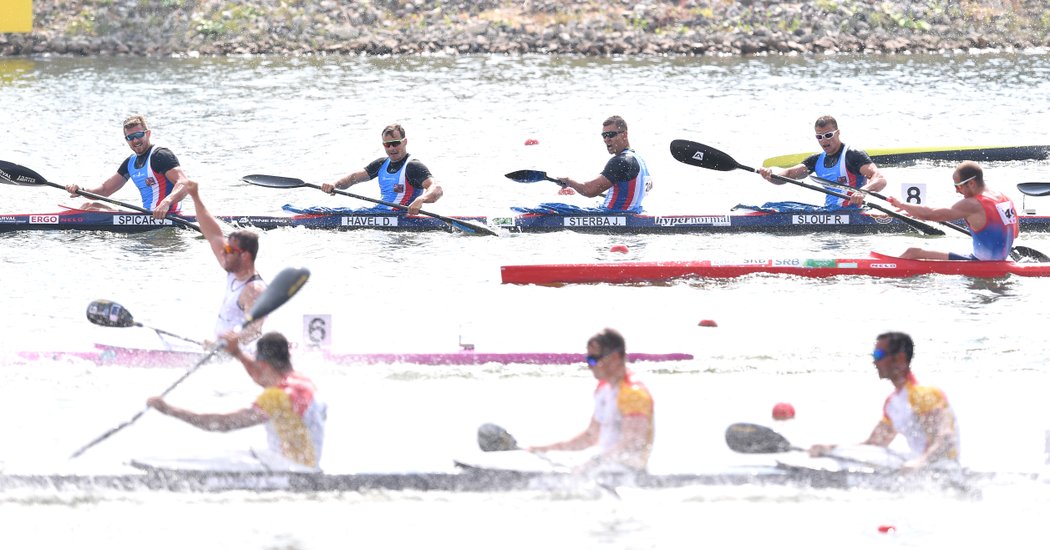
pixel 783 411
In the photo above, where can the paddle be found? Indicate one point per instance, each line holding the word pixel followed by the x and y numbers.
pixel 748 438
pixel 493 438
pixel 285 285
pixel 1016 253
pixel 279 182
pixel 111 314
pixel 1034 188
pixel 756 439
pixel 20 175
pixel 698 154
pixel 531 176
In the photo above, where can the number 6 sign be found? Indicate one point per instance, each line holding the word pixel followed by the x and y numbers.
pixel 913 193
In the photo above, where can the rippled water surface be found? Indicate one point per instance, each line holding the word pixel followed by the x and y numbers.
pixel 777 339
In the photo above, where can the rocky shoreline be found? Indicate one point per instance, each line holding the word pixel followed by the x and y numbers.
pixel 579 27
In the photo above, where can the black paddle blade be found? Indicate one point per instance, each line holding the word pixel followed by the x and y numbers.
pixel 278 182
pixel 285 285
pixel 109 314
pixel 1028 255
pixel 753 438
pixel 1033 188
pixel 19 175
pixel 698 154
pixel 494 438
pixel 527 176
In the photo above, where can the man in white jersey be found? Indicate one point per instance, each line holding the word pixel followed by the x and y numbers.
pixel 154 170
pixel 402 180
pixel 920 413
pixel 236 254
pixel 622 423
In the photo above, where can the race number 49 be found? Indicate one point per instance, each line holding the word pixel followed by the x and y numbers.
pixel 913 193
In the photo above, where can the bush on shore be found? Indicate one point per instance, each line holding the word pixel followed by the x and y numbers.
pixel 584 27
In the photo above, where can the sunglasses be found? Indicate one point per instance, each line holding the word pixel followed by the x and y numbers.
pixel 230 249
pixel 607 135
pixel 827 135
pixel 878 354
pixel 965 181
pixel 392 143
pixel 592 360
pixel 136 135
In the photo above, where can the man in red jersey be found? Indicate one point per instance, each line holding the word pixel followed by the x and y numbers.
pixel 990 214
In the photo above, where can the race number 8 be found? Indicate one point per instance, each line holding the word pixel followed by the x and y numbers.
pixel 913 193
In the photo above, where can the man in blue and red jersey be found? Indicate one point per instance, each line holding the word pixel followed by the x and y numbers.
pixel 836 162
pixel 402 180
pixel 990 214
pixel 625 179
pixel 288 405
pixel 920 413
pixel 155 171
pixel 622 424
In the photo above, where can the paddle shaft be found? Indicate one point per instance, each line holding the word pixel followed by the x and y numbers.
pixel 698 154
pixel 878 195
pixel 285 285
pixel 95 196
pixel 462 225
pixel 924 228
pixel 281 182
pixel 1017 252
pixel 139 414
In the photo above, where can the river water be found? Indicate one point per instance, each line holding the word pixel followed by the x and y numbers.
pixel 778 338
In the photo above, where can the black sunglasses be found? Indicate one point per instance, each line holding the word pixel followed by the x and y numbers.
pixel 136 135
pixel 392 143
pixel 607 135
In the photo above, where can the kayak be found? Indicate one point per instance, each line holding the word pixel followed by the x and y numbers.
pixel 505 471
pixel 791 223
pixel 875 265
pixel 128 222
pixel 903 155
pixel 139 357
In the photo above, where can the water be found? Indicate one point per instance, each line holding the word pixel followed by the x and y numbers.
pixel 778 338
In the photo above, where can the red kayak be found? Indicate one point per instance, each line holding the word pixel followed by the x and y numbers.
pixel 876 265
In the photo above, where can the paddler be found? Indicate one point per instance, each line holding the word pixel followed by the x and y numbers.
pixel 288 405
pixel 836 162
pixel 236 254
pixel 155 171
pixel 920 413
pixel 991 216
pixel 402 180
pixel 622 424
pixel 625 180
